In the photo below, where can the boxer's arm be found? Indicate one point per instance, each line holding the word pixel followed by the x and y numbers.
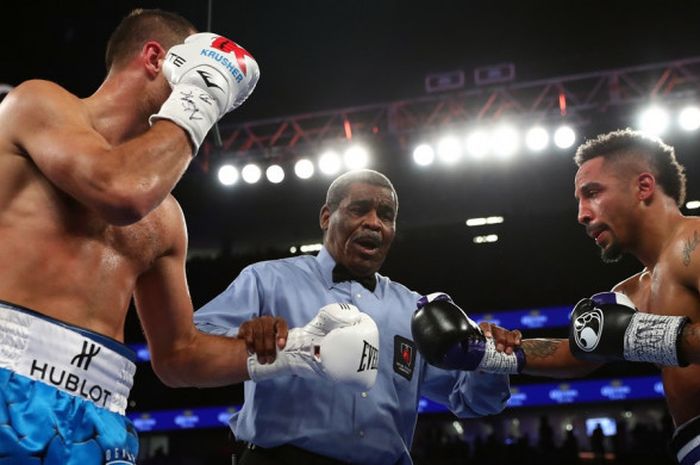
pixel 552 358
pixel 690 343
pixel 543 357
pixel 447 338
pixel 181 354
pixel 687 268
pixel 122 182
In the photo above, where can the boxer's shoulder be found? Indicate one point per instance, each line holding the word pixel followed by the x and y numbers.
pixel 688 229
pixel 682 256
pixel 38 104
pixel 46 93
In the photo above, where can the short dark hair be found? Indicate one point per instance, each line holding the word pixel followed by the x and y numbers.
pixel 341 185
pixel 142 25
pixel 626 143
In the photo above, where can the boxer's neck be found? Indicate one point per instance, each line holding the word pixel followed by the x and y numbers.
pixel 657 231
pixel 120 108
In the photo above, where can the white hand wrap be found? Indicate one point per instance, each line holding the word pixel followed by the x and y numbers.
pixel 340 344
pixel 210 76
pixel 500 362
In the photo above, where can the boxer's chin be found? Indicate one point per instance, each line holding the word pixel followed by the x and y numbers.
pixel 611 253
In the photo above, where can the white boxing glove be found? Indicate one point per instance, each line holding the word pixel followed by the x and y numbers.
pixel 210 76
pixel 340 344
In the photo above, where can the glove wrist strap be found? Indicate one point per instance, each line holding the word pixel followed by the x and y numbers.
pixel 295 359
pixel 190 108
pixel 654 339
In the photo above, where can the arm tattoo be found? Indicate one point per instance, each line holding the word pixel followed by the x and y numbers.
pixel 689 247
pixel 540 348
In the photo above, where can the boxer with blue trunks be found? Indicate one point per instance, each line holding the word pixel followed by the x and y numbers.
pixel 88 226
pixel 63 393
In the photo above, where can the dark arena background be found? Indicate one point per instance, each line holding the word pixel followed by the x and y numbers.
pixel 474 109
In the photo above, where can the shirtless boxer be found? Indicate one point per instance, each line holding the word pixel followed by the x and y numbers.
pixel 630 189
pixel 87 221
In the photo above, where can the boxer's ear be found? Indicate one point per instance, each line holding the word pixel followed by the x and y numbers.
pixel 646 186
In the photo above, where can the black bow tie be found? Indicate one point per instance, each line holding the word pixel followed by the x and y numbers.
pixel 340 273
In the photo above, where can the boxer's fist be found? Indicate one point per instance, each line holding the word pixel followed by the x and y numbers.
pixel 340 344
pixel 210 76
pixel 447 338
pixel 216 65
pixel 607 327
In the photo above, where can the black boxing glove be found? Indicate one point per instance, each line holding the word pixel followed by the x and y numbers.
pixel 607 327
pixel 447 338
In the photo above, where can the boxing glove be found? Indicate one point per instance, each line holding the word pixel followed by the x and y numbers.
pixel 340 344
pixel 607 327
pixel 210 76
pixel 447 338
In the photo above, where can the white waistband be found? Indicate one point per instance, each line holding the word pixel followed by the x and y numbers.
pixel 66 359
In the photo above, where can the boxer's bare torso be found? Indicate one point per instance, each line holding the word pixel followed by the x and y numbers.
pixel 671 288
pixel 62 258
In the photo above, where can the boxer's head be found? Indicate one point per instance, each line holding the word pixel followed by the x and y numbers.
pixel 142 40
pixel 359 220
pixel 621 174
pixel 142 26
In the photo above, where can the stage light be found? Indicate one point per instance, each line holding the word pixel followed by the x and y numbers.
pixel 304 169
pixel 329 162
pixel 471 222
pixel 423 155
pixel 228 175
pixel 654 121
pixel 449 149
pixel 478 143
pixel 356 157
pixel 564 137
pixel 310 248
pixel 251 173
pixel 537 139
pixel 689 118
pixel 485 239
pixel 274 174
pixel 504 141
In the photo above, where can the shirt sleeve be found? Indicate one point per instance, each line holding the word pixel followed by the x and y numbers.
pixel 467 394
pixel 241 301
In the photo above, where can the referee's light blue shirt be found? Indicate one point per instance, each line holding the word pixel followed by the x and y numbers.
pixel 373 427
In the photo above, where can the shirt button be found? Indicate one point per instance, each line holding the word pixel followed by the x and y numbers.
pixel 359 296
pixel 364 394
pixel 361 433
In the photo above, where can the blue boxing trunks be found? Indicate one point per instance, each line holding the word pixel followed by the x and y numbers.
pixel 686 442
pixel 63 393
